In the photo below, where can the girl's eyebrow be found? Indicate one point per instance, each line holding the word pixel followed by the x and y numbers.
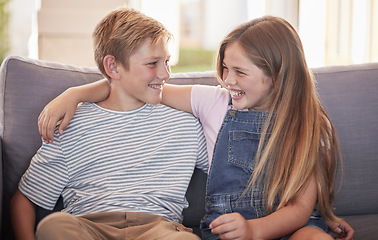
pixel 235 67
pixel 240 69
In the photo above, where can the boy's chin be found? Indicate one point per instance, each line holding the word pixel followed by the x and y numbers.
pixel 154 101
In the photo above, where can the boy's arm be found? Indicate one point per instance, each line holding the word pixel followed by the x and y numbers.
pixel 22 216
pixel 178 97
pixel 63 107
pixel 280 223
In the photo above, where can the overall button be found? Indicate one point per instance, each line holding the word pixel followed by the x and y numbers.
pixel 204 218
pixel 232 112
pixel 208 203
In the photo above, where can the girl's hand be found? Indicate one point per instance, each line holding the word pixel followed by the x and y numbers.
pixel 232 226
pixel 58 111
pixel 341 230
pixel 63 107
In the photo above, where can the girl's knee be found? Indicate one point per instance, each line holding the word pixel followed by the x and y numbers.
pixel 310 233
pixel 322 236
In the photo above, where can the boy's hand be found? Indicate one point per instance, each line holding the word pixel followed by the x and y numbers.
pixel 341 230
pixel 58 111
pixel 232 226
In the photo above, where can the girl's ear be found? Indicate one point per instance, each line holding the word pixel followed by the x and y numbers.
pixel 111 67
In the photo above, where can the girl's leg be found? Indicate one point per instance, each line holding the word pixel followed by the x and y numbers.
pixel 310 233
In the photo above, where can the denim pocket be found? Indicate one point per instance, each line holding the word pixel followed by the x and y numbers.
pixel 242 148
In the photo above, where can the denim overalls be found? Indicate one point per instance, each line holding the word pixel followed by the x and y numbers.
pixel 231 169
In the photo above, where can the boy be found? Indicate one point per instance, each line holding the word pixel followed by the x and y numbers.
pixel 124 164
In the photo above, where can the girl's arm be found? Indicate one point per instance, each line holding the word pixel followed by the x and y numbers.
pixel 23 217
pixel 63 107
pixel 178 96
pixel 280 223
pixel 341 230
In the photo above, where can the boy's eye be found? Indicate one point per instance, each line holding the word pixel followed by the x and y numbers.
pixel 152 63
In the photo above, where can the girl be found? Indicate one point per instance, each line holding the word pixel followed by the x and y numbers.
pixel 274 150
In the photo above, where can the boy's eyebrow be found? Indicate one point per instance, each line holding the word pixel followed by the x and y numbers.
pixel 156 57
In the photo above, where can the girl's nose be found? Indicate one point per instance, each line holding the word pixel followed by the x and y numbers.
pixel 229 79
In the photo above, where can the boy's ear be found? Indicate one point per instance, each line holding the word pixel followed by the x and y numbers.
pixel 111 67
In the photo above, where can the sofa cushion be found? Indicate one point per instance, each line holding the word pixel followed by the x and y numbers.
pixel 350 96
pixel 365 226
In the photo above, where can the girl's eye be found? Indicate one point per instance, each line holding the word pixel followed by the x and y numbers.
pixel 240 72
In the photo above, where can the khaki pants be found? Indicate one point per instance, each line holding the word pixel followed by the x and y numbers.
pixel 110 225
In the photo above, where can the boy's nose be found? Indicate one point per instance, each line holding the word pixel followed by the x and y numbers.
pixel 164 73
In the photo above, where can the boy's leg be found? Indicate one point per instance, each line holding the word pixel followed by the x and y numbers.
pixel 149 226
pixel 61 225
pixel 94 226
pixel 113 225
pixel 310 233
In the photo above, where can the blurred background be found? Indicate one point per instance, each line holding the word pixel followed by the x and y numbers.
pixel 333 32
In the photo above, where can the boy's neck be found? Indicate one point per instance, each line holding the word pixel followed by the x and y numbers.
pixel 120 102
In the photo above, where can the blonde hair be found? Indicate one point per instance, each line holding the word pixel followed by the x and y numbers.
pixel 302 142
pixel 121 32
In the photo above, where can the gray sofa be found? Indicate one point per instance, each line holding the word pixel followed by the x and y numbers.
pixel 349 94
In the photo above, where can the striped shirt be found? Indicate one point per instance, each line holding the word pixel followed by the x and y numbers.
pixel 105 161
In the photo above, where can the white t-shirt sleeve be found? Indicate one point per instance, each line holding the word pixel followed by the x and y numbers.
pixel 46 177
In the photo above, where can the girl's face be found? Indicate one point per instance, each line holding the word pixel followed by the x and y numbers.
pixel 249 87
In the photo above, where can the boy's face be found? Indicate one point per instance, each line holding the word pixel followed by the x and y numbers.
pixel 148 71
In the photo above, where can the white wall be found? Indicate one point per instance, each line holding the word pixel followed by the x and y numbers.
pixel 20 25
pixel 333 32
pixel 62 30
pixel 220 17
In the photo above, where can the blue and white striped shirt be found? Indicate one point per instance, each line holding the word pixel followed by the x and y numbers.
pixel 105 161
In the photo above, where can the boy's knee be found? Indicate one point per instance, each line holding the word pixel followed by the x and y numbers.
pixel 54 226
pixel 182 236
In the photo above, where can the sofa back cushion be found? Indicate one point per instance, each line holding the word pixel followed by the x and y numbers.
pixel 350 97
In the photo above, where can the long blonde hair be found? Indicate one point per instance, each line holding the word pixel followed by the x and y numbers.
pixel 303 142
